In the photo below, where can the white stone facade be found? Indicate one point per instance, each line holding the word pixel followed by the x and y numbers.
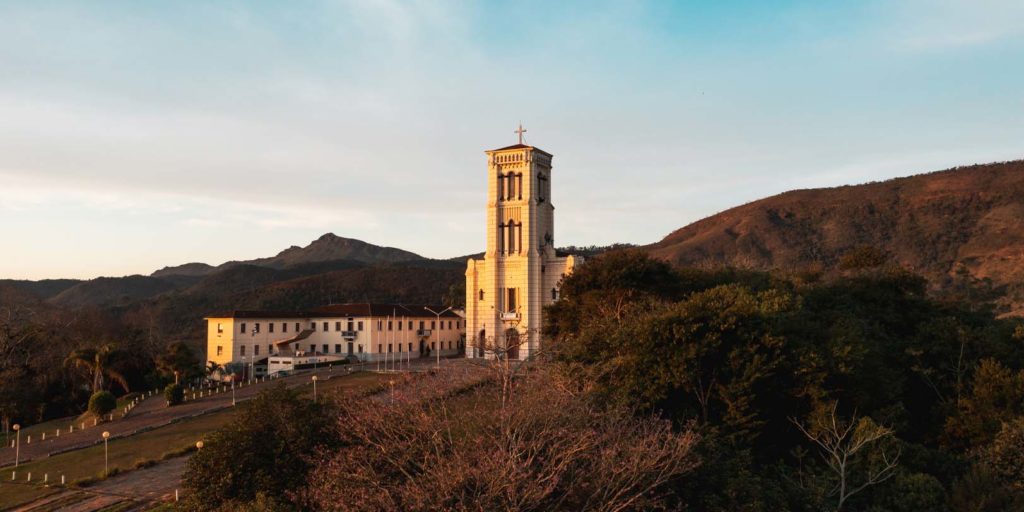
pixel 520 272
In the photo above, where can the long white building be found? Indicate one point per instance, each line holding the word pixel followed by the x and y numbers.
pixel 367 332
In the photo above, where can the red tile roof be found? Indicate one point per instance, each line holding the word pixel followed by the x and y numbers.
pixel 363 309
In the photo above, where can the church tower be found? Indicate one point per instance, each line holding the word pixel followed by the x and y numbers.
pixel 520 272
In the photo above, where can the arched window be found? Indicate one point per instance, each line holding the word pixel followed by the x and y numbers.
pixel 519 185
pixel 501 238
pixel 511 237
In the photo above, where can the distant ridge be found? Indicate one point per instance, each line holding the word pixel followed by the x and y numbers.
pixel 328 253
pixel 961 224
pixel 329 247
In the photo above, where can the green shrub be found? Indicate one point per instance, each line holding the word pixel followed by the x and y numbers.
pixel 144 463
pixel 102 402
pixel 174 394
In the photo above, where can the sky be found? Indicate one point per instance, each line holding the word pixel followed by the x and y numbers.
pixel 137 135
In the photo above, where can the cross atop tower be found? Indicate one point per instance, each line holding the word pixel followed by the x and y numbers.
pixel 520 131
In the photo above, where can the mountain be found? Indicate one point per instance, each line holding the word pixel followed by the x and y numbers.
pixel 952 226
pixel 328 253
pixel 188 269
pixel 112 291
pixel 328 247
pixel 43 289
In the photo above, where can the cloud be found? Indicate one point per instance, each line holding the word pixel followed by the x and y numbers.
pixel 929 25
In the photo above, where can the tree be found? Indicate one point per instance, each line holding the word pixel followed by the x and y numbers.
pixel 852 452
pixel 98 364
pixel 101 403
pixel 265 449
pixel 1006 455
pixel 178 361
pixel 547 449
pixel 174 394
pixel 996 396
pixel 712 356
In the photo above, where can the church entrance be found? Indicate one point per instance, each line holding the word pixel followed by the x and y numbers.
pixel 512 342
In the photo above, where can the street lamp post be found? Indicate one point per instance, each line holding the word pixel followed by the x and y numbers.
pixel 17 445
pixel 437 341
pixel 252 359
pixel 106 454
pixel 314 388
pixel 232 393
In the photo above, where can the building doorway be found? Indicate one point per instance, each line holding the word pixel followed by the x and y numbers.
pixel 512 342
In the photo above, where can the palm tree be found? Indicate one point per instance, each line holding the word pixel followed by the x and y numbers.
pixel 96 364
pixel 213 368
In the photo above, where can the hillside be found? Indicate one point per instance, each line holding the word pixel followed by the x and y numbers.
pixel 328 247
pixel 950 226
pixel 111 291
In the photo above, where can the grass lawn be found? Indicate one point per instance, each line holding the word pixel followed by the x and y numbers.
pixel 12 495
pixel 357 382
pixel 125 452
pixel 51 426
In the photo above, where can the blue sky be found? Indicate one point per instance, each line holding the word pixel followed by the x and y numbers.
pixel 135 135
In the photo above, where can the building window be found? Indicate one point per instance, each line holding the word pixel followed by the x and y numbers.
pixel 256 328
pixel 255 350
pixel 554 294
pixel 220 350
pixel 410 347
pixel 410 325
pixel 389 348
pixel 337 348
pixel 432 345
pixel 297 328
pixel 380 324
pixel 270 349
pixel 359 325
pixel 380 348
pixel 284 326
pixel 481 295
pixel 449 325
pixel 360 349
pixel 326 351
pixel 242 329
pixel 220 328
pixel 389 325
pixel 312 348
pixel 241 350
pixel 519 186
pixel 337 326
pixel 326 328
pixel 511 301
pixel 433 324
pixel 312 325
pixel 399 326
pixel 350 325
pixel 270 327
pixel 421 325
